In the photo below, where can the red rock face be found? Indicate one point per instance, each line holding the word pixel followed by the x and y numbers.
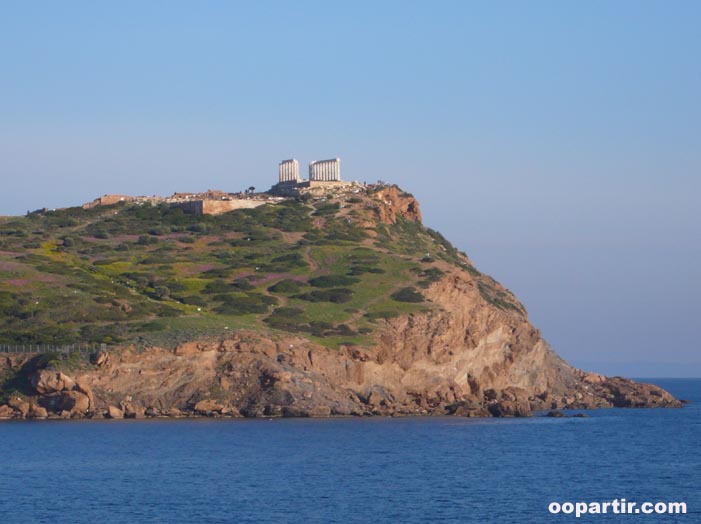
pixel 393 203
pixel 50 381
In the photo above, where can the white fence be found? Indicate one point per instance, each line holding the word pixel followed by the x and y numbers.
pixel 48 348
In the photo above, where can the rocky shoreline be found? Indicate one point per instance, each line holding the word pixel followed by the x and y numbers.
pixel 59 396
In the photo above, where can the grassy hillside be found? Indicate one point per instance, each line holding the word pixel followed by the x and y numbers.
pixel 326 267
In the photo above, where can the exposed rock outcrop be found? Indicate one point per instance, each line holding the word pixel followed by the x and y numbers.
pixel 393 203
pixel 37 412
pixel 114 412
pixel 50 381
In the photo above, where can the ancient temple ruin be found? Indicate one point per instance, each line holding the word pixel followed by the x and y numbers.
pixel 289 171
pixel 325 170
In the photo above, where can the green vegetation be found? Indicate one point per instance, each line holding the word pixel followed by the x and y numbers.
pixel 286 286
pixel 502 299
pixel 337 295
pixel 429 276
pixel 333 281
pixel 408 294
pixel 147 274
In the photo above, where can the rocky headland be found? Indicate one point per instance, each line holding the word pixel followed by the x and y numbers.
pixel 457 343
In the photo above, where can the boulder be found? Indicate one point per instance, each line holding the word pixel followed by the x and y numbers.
pixel 20 406
pixel 204 407
pixel 6 411
pixel 37 412
pixel 514 393
pixel 593 378
pixel 74 402
pixel 85 390
pixel 510 408
pixel 231 411
pixel 114 412
pixel 294 411
pixel 49 381
pixel 174 412
pixel 132 410
pixel 378 397
pixel 100 358
pixel 152 411
pixel 466 408
pixel 556 414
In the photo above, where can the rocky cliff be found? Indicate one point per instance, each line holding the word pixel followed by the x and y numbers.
pixel 469 350
pixel 468 358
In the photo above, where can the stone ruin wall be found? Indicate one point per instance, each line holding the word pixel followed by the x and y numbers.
pixel 217 207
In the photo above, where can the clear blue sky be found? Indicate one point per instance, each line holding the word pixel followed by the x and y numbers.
pixel 557 143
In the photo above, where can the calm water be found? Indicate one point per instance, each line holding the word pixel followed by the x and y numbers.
pixel 355 470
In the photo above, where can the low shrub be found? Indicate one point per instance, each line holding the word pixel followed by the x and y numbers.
pixel 193 300
pixel 286 286
pixel 333 281
pixel 253 303
pixel 327 209
pixel 287 312
pixel 408 294
pixel 430 275
pixel 243 284
pixel 381 315
pixel 361 270
pixel 336 295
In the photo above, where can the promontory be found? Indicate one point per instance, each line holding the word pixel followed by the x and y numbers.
pixel 315 302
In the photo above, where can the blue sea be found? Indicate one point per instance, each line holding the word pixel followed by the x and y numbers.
pixel 370 470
